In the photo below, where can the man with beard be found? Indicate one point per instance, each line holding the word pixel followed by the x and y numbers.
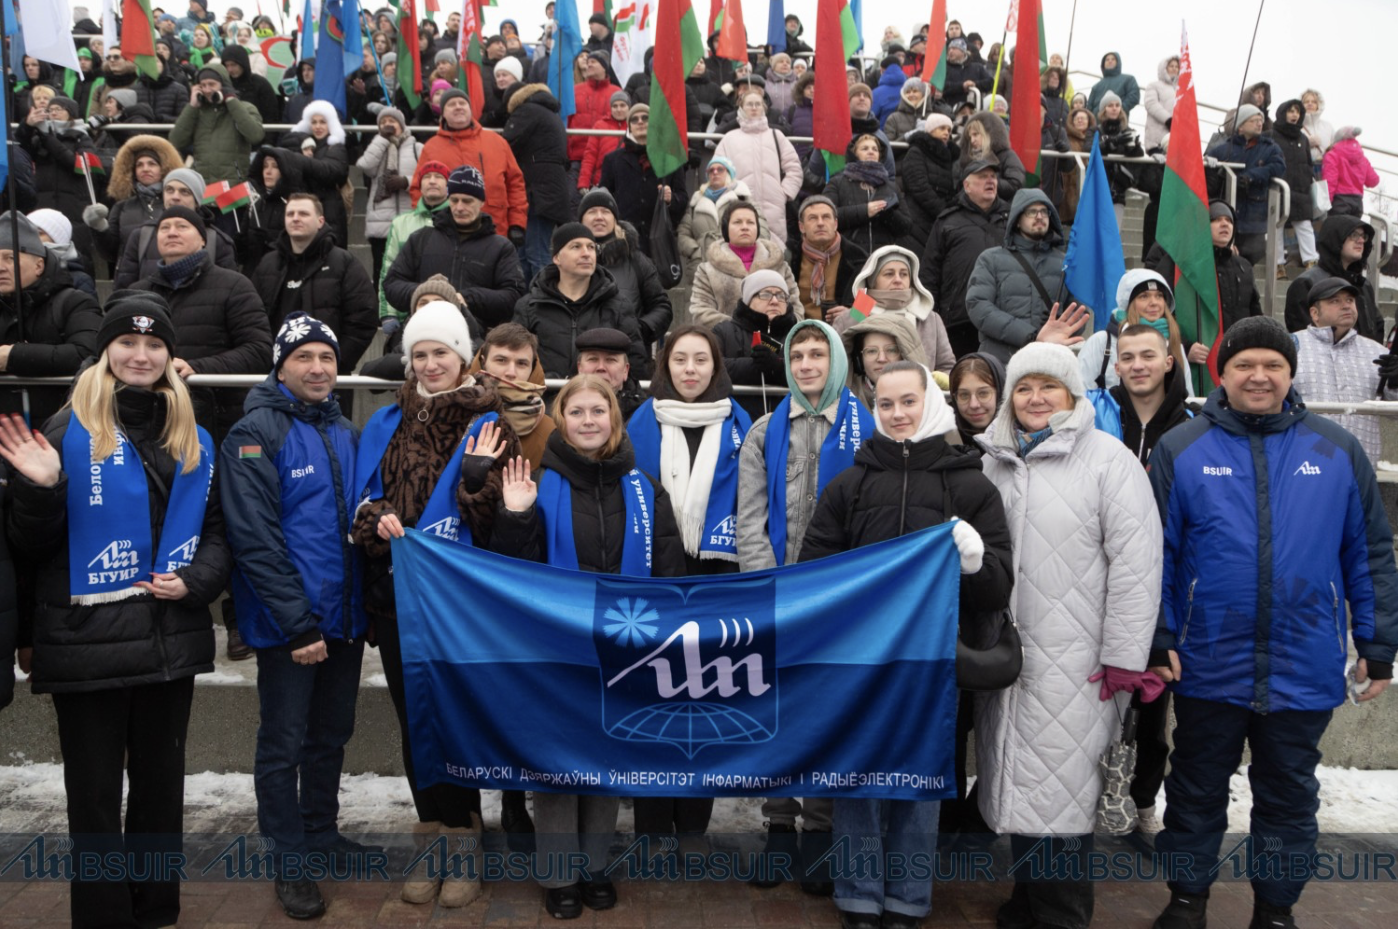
pixel 1344 243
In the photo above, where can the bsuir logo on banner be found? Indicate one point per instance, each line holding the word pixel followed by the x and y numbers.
pixel 724 532
pixel 689 668
pixel 447 528
pixel 118 561
pixel 183 554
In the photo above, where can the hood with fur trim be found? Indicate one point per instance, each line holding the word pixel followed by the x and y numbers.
pixel 995 129
pixel 538 92
pixel 326 109
pixel 123 181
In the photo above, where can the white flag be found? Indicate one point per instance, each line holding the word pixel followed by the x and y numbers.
pixel 109 30
pixel 47 26
pixel 632 38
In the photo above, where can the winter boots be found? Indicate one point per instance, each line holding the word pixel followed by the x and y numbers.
pixel 461 890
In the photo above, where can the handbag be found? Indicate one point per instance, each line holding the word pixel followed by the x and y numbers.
pixel 1320 198
pixel 665 246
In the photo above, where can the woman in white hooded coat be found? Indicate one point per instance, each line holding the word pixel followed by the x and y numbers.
pixel 898 291
pixel 389 162
pixel 1087 563
pixel 766 162
pixel 1159 100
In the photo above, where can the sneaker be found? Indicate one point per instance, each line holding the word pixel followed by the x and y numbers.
pixel 1186 911
pixel 237 650
pixel 300 899
pixel 783 839
pixel 1270 915
pixel 1147 822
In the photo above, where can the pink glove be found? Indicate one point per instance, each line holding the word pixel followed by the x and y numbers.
pixel 1115 679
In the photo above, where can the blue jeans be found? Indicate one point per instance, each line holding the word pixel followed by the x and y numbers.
pixel 535 256
pixel 307 718
pixel 1209 739
pixel 892 846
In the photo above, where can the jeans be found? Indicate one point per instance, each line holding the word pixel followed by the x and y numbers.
pixel 307 718
pixel 535 256
pixel 891 846
pixel 1209 739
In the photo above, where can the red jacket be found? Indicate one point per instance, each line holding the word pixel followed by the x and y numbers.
pixel 594 102
pixel 505 198
pixel 598 148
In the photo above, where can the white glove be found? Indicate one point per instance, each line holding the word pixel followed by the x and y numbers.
pixel 95 216
pixel 969 544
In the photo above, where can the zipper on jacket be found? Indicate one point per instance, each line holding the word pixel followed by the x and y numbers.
pixel 346 552
pixel 1189 613
pixel 601 518
pixel 903 508
pixel 1335 617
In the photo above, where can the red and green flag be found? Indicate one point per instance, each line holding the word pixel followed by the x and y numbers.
pixel 831 129
pixel 715 17
pixel 678 46
pixel 233 198
pixel 409 59
pixel 213 190
pixel 469 57
pixel 1025 120
pixel 732 36
pixel 1183 229
pixel 598 6
pixel 88 162
pixel 138 37
pixel 934 62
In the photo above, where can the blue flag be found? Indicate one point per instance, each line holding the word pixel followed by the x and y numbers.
pixel 856 10
pixel 339 52
pixel 308 34
pixel 822 679
pixel 776 26
pixel 567 45
pixel 1095 262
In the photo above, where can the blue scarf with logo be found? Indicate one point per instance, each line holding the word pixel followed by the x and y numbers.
pixel 109 537
pixel 441 516
pixel 853 424
pixel 719 539
pixel 555 503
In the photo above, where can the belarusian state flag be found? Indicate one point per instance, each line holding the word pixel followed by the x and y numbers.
pixel 831 129
pixel 409 58
pixel 732 42
pixel 598 6
pixel 138 37
pixel 635 25
pixel 233 198
pixel 934 61
pixel 215 189
pixel 1183 230
pixel 677 47
pixel 715 17
pixel 1025 119
pixel 469 57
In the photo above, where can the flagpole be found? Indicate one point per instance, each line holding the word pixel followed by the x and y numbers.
pixel 1068 55
pixel 87 176
pixel 1247 67
pixel 995 84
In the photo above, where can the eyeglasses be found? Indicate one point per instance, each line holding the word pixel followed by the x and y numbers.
pixel 116 57
pixel 640 118
pixel 984 396
pixel 771 295
pixel 1035 213
pixel 889 353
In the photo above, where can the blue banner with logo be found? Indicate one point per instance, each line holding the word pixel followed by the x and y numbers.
pixel 829 678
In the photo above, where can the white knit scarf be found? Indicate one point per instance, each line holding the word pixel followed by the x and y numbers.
pixel 688 486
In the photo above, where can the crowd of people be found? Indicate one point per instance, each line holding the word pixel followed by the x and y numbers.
pixel 910 355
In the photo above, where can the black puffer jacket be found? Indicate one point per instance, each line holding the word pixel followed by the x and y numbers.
pixel 763 368
pixel 222 329
pixel 251 87
pixel 124 218
pixel 1116 137
pixel 326 282
pixel 628 174
pixel 896 488
pixel 137 263
pixel 165 96
pixel 1141 439
pixel 871 233
pixel 9 614
pixel 599 515
pixel 266 215
pixel 483 267
pixel 60 333
pixel 958 238
pixel 1329 242
pixel 59 186
pixel 637 281
pixel 928 173
pixel 139 640
pixel 322 174
pixel 1237 289
pixel 557 321
pixel 1296 149
pixel 536 135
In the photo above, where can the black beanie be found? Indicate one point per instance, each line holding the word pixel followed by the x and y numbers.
pixel 1257 332
pixel 597 197
pixel 191 217
pixel 298 329
pixel 132 311
pixel 567 233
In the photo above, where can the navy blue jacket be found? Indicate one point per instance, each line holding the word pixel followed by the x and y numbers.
pixel 286 470
pixel 1271 524
pixel 1264 162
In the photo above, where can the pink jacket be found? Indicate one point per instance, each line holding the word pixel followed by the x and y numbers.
pixel 1346 169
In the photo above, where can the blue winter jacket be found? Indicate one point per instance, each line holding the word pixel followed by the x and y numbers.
pixel 1272 523
pixel 1264 161
pixel 889 92
pixel 286 470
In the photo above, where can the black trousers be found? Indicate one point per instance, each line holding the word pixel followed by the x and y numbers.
pixel 376 249
pixel 673 815
pixel 1051 888
pixel 140 730
pixel 1152 751
pixel 452 805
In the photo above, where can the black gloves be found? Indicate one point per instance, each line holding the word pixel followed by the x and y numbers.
pixel 517 236
pixel 1388 370
pixel 768 359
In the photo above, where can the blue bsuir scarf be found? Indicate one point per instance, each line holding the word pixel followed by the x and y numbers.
pixel 555 503
pixel 719 539
pixel 109 538
pixel 853 424
pixel 441 516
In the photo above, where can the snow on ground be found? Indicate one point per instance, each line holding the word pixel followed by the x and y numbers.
pixel 32 800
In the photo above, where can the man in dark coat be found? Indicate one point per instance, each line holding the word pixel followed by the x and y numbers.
pixel 820 242
pixel 57 330
pixel 628 174
pixel 252 88
pixel 603 352
pixel 963 74
pixel 165 95
pixel 536 135
pixel 461 244
pixel 619 252
pixel 973 223
pixel 308 272
pixel 1344 244
pixel 182 187
pixel 573 295
pixel 1263 161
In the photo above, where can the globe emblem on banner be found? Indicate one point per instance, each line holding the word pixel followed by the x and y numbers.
pixel 691 673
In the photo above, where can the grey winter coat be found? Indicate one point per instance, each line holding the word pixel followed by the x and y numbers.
pixel 376 162
pixel 1001 299
pixel 1087 561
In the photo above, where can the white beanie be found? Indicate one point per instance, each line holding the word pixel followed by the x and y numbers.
pixel 437 321
pixel 511 64
pixel 58 227
pixel 1045 358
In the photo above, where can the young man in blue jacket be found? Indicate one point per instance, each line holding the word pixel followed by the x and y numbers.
pixel 287 469
pixel 1272 523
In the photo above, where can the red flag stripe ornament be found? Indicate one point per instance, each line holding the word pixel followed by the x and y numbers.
pixel 732 42
pixel 470 56
pixel 138 37
pixel 934 63
pixel 831 116
pixel 1025 119
pixel 677 47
